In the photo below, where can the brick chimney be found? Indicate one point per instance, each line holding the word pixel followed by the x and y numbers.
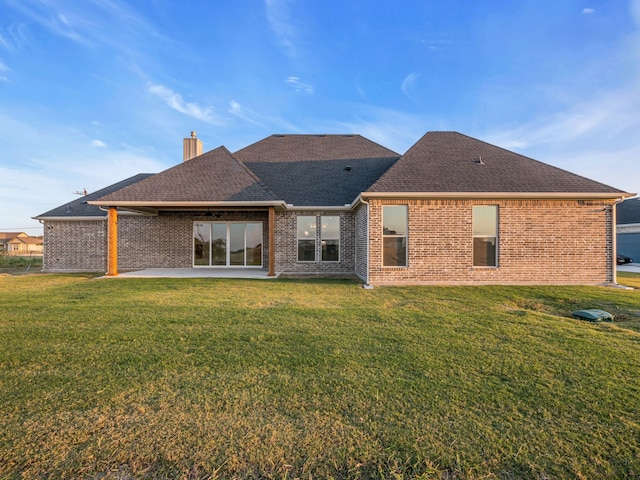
pixel 192 147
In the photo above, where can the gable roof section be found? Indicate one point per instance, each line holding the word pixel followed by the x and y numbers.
pixel 449 162
pixel 628 211
pixel 212 178
pixel 80 206
pixel 26 240
pixel 317 170
pixel 11 235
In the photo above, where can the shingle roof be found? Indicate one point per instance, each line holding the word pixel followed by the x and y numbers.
pixel 215 176
pixel 10 235
pixel 300 148
pixel 452 162
pixel 317 170
pixel 628 211
pixel 80 207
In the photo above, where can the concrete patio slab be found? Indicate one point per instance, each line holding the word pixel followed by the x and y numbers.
pixel 250 273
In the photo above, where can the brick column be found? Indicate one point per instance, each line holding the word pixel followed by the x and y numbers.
pixel 112 242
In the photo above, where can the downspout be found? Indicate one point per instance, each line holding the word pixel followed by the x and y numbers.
pixel 367 285
pixel 614 241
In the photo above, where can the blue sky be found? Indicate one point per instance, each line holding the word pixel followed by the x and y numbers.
pixel 94 91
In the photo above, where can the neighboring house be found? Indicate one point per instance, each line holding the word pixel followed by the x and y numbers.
pixel 451 210
pixel 19 243
pixel 628 228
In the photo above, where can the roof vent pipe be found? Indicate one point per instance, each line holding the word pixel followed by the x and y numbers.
pixel 191 147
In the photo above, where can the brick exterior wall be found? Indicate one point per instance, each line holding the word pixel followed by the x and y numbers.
pixel 75 246
pixel 539 242
pixel 287 244
pixel 361 261
pixel 165 241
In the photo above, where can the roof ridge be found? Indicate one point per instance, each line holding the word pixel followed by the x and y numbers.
pixel 250 172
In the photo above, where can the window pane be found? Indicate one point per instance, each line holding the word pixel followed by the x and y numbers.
pixel 236 240
pixel 394 220
pixel 254 244
pixel 484 252
pixel 485 220
pixel 201 242
pixel 219 244
pixel 306 227
pixel 330 250
pixel 330 227
pixel 306 250
pixel 394 252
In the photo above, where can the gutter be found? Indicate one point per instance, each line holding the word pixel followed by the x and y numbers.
pixel 190 203
pixel 61 219
pixel 497 195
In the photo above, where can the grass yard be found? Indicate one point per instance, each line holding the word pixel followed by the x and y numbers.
pixel 205 378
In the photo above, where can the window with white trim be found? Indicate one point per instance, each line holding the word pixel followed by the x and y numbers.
pixel 307 228
pixel 330 238
pixel 394 235
pixel 485 236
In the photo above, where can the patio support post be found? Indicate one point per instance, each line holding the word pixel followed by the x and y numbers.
pixel 272 242
pixel 112 242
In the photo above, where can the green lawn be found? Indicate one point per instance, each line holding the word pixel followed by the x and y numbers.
pixel 204 378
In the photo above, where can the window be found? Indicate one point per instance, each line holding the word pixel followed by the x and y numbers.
pixel 485 236
pixel 394 236
pixel 307 239
pixel 330 238
pixel 227 244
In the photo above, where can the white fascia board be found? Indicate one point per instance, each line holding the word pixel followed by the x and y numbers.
pixel 75 219
pixel 316 207
pixel 194 204
pixel 497 195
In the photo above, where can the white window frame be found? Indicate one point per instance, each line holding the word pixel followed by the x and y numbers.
pixel 325 238
pixel 390 235
pixel 314 238
pixel 495 237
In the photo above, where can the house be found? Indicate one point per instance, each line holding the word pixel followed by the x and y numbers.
pixel 19 243
pixel 628 228
pixel 451 210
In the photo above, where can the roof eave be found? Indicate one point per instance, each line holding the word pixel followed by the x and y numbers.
pixel 76 218
pixel 293 207
pixel 194 204
pixel 496 195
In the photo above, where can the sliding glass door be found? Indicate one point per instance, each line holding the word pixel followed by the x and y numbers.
pixel 227 244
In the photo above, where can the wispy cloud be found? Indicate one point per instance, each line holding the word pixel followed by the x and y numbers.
pixel 278 14
pixel 584 137
pixel 245 113
pixel 50 16
pixel 407 86
pixel 587 11
pixel 175 101
pixel 299 86
pixel 263 121
pixel 3 70
pixel 98 143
